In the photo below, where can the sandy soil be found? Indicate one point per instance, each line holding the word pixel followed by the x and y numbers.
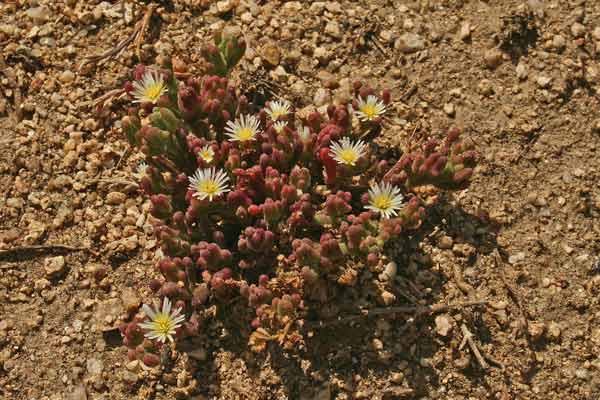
pixel 522 81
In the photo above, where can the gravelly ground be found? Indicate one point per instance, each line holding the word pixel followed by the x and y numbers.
pixel 521 80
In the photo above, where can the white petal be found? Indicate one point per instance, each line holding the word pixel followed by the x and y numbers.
pixel 148 311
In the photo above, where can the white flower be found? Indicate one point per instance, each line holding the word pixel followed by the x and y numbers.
pixel 346 152
pixel 279 126
pixel 207 154
pixel 209 183
pixel 370 109
pixel 278 109
pixel 140 170
pixel 303 133
pixel 163 323
pixel 385 199
pixel 243 129
pixel 150 88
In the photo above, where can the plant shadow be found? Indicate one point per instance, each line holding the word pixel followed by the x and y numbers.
pixel 397 354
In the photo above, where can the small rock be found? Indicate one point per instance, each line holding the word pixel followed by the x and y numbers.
pixel 553 333
pixel 515 258
pixel 465 31
pixel 322 54
pixel 130 299
pixel 377 344
pixel 582 374
pixel 493 58
pixel 78 393
pixel 279 74
pixel 41 284
pixel 333 29
pixel 129 377
pixel 271 54
pixel 577 30
pixel 397 377
pixel 54 266
pixel 38 14
pixel 115 198
pixel 558 42
pixel 322 97
pixel 388 298
pixel 223 7
pixel 445 242
pixel 443 325
pixel 389 272
pixel 596 33
pixel 463 249
pixel 133 366
pixel 522 71
pixel 8 29
pixel 449 109
pixel 247 18
pixel 35 230
pixel 485 87
pixel 94 366
pixel 543 81
pixel 536 330
pixel 409 43
pixel 67 76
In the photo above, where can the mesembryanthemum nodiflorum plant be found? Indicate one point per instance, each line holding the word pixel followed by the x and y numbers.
pixel 262 213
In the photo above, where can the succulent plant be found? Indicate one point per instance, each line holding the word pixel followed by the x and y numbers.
pixel 267 208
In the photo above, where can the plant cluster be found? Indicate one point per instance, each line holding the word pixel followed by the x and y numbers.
pixel 263 213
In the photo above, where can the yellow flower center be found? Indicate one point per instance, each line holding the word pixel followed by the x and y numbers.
pixel 277 113
pixel 206 155
pixel 382 202
pixel 369 110
pixel 163 323
pixel 209 187
pixel 245 134
pixel 153 92
pixel 349 156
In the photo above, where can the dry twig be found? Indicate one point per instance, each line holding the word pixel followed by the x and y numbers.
pixel 416 310
pixel 468 338
pixel 39 248
pixel 136 37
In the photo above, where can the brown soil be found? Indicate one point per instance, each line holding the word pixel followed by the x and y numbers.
pixel 521 81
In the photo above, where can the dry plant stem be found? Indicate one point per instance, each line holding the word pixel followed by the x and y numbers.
pixel 40 248
pixel 468 338
pixel 142 29
pixel 106 96
pixel 417 310
pixel 137 36
pixel 512 292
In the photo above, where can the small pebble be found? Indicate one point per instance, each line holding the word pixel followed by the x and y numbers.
pixel 449 109
pixel 493 58
pixel 67 76
pixel 554 332
pixel 465 31
pixel 543 81
pixel 577 30
pixel 445 242
pixel 558 42
pixel 54 266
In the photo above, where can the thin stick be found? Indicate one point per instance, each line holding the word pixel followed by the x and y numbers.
pixel 136 36
pixel 142 30
pixel 417 310
pixel 108 95
pixel 40 248
pixel 468 338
